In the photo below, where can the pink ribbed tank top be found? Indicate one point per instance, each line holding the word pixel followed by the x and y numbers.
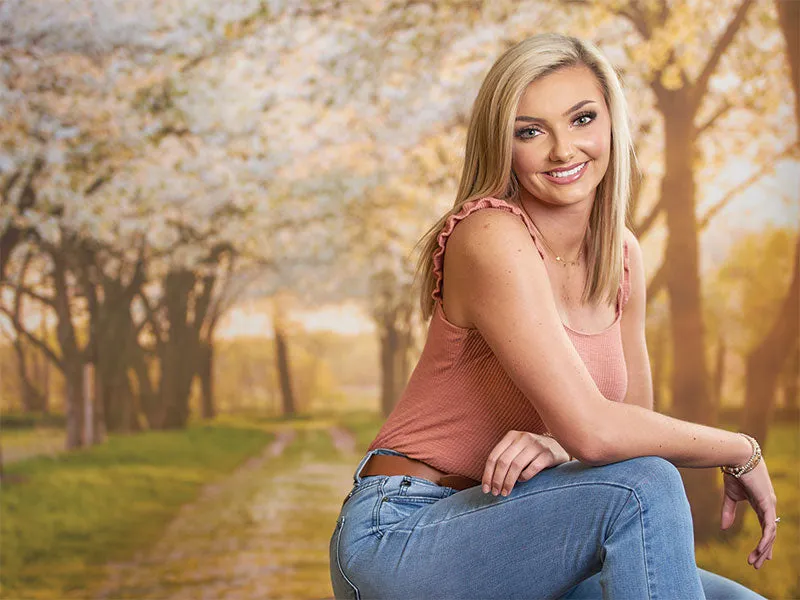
pixel 459 402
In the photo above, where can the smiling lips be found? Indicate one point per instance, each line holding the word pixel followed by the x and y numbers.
pixel 566 175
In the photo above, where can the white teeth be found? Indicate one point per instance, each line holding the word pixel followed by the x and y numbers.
pixel 566 173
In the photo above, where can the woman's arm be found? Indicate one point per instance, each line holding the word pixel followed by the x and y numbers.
pixel 632 326
pixel 502 286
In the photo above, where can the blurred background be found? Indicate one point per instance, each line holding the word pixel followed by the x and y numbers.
pixel 207 219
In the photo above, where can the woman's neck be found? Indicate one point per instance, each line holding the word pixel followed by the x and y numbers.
pixel 563 227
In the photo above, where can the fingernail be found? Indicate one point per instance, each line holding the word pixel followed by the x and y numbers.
pixel 485 489
pixel 495 491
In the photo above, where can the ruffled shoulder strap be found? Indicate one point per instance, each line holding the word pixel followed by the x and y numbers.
pixel 625 287
pixel 467 209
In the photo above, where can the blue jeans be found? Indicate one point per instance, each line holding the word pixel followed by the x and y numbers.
pixel 621 531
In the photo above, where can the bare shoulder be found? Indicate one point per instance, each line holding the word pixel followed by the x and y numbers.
pixel 634 249
pixel 635 307
pixel 488 228
pixel 487 253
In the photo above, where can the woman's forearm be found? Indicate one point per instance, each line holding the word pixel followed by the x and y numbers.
pixel 629 431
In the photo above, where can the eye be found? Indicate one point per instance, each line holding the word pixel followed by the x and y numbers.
pixel 585 118
pixel 527 133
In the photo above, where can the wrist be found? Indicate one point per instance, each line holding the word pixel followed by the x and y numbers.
pixel 753 457
pixel 746 450
pixel 567 454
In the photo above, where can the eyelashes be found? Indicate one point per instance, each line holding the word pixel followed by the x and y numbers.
pixel 528 133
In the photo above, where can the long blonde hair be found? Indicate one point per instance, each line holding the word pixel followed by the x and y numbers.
pixel 487 161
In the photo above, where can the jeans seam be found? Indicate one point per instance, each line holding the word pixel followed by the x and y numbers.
pixel 640 512
pixel 647 569
pixel 561 487
pixel 339 562
pixel 363 488
pixel 376 510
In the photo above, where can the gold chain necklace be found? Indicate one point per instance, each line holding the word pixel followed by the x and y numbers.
pixel 559 260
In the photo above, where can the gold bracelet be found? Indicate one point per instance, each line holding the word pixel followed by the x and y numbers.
pixel 738 471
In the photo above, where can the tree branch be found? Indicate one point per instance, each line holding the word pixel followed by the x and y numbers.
pixel 764 170
pixel 726 106
pixel 645 224
pixel 701 85
pixel 43 299
pixel 655 284
pixel 34 340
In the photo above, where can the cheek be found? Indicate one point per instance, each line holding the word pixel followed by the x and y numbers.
pixel 597 144
pixel 523 160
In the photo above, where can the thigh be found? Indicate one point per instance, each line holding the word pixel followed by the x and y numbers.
pixel 541 540
pixel 715 587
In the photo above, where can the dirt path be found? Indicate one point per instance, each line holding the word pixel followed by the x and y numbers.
pixel 35 442
pixel 260 533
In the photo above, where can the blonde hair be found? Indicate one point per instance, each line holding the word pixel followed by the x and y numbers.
pixel 487 161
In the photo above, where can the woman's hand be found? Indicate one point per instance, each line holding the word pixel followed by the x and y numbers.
pixel 756 487
pixel 519 456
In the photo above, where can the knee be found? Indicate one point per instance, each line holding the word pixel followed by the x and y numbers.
pixel 658 485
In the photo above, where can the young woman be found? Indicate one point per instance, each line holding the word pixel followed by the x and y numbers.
pixel 536 354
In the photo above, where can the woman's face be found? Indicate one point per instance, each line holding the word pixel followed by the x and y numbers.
pixel 562 137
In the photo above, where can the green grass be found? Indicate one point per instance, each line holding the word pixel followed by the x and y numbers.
pixel 63 517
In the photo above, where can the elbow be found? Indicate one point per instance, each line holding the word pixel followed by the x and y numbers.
pixel 593 442
pixel 586 447
pixel 592 455
pixel 590 452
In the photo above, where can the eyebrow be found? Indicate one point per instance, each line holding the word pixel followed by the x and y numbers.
pixel 572 109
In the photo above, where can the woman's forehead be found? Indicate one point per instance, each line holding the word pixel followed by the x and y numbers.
pixel 551 95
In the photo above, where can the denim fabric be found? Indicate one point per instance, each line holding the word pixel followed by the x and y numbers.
pixel 621 531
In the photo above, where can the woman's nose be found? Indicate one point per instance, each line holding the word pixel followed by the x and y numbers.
pixel 562 149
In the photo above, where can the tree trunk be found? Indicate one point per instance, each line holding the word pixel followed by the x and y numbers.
pixel 30 395
pixel 657 360
pixel 73 357
pixel 791 374
pixel 207 379
pixel 42 372
pixel 179 353
pixel 112 334
pixel 719 374
pixel 389 343
pixel 405 342
pixel 283 366
pixel 789 21
pixel 690 394
pixel 73 379
pixel 149 400
pixel 765 363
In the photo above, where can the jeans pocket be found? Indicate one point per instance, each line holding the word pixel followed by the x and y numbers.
pixel 343 587
pixel 394 509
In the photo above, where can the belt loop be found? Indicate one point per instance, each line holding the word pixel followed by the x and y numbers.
pixel 357 474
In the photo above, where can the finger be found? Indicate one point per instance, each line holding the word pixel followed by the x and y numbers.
pixel 489 468
pixel 769 530
pixel 728 511
pixel 761 560
pixel 535 466
pixel 521 462
pixel 503 465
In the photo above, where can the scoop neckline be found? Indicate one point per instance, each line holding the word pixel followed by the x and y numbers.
pixel 594 333
pixel 440 307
